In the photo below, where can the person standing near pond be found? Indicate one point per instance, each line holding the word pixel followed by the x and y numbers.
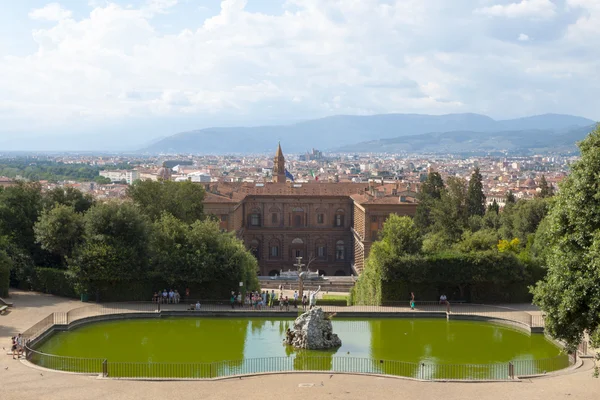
pixel 295 299
pixel 412 300
pixel 232 300
pixel 272 299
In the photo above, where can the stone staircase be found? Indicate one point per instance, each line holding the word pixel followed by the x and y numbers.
pixel 340 284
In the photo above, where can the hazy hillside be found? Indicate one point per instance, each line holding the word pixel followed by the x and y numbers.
pixel 469 141
pixel 342 130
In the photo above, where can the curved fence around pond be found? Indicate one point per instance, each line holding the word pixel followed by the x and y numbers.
pixel 339 364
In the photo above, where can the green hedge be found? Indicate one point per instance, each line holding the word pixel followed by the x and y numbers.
pixel 53 281
pixel 481 277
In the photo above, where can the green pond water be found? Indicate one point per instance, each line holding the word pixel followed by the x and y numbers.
pixel 223 346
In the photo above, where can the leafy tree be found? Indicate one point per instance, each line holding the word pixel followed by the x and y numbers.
pixel 475 196
pixel 183 200
pixel 68 196
pixel 510 198
pixel 401 234
pixel 102 180
pixel 433 186
pixel 545 189
pixel 449 213
pixel 505 246
pixel 431 191
pixel 115 248
pixel 200 253
pixel 570 293
pixel 5 267
pixel 491 219
pixel 483 240
pixel 436 242
pixel 527 216
pixel 20 206
pixel 59 230
pixel 522 218
pixel 494 207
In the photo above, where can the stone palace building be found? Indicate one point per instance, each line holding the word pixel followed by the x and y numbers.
pixel 331 225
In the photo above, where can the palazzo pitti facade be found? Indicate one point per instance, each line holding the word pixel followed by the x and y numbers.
pixel 332 224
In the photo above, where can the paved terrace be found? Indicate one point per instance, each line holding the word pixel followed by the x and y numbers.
pixel 20 381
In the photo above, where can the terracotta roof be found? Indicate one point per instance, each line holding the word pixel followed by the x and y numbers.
pixel 368 199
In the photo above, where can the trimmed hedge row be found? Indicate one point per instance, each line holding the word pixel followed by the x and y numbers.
pixel 52 281
pixel 482 277
pixel 58 282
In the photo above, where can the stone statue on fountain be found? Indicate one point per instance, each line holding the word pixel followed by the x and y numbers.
pixel 313 330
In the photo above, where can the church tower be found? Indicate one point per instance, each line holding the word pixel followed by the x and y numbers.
pixel 279 166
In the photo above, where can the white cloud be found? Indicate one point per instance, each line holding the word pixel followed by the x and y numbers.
pixel 313 59
pixel 524 9
pixel 50 12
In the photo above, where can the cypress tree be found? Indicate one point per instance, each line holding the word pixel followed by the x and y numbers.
pixel 475 196
pixel 545 189
pixel 510 198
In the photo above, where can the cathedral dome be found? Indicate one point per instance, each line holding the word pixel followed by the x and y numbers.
pixel 164 173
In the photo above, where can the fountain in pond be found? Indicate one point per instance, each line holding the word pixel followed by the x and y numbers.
pixel 313 331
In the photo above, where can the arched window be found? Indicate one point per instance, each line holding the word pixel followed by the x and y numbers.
pixel 339 250
pixel 274 249
pixel 321 249
pixel 297 248
pixel 339 218
pixel 274 218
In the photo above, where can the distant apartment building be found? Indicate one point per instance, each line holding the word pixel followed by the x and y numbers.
pixel 126 175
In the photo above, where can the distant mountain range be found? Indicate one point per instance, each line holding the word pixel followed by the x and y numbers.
pixel 385 133
pixel 524 141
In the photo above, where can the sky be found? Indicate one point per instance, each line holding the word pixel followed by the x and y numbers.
pixel 128 72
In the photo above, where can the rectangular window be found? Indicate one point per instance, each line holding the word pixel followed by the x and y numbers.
pixel 223 217
pixel 274 251
pixel 321 251
pixel 374 218
pixel 298 253
pixel 339 220
pixel 339 254
pixel 255 220
pixel 274 218
pixel 320 218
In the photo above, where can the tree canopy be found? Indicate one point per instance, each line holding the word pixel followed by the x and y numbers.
pixel 475 196
pixel 183 200
pixel 570 293
pixel 59 230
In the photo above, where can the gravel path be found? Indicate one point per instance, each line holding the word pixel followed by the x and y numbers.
pixel 19 381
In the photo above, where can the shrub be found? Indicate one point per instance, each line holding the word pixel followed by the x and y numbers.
pixel 53 281
pixel 486 276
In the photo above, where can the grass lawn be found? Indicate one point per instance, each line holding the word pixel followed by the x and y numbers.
pixel 334 297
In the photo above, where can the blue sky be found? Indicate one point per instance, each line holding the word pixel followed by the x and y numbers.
pixel 140 69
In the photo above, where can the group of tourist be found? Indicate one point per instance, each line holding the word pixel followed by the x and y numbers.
pixel 18 346
pixel 259 300
pixel 164 297
pixel 263 300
